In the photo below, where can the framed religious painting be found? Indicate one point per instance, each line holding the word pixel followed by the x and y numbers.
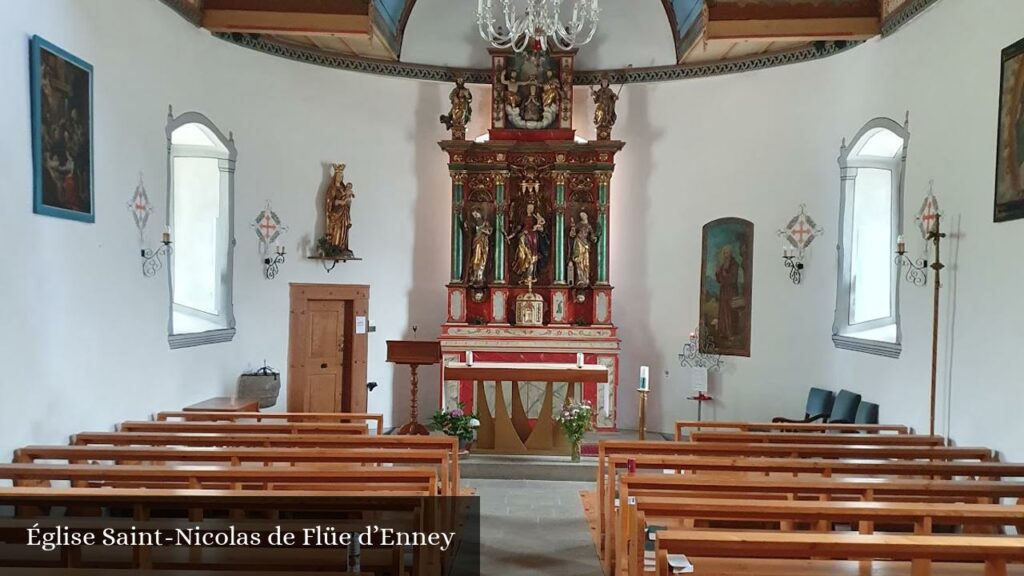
pixel 1009 198
pixel 725 285
pixel 62 146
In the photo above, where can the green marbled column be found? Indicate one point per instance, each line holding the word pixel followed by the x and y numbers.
pixel 457 182
pixel 560 229
pixel 499 229
pixel 602 247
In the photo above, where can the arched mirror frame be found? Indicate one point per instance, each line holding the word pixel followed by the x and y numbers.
pixel 227 168
pixel 849 162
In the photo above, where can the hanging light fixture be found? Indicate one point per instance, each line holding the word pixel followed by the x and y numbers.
pixel 538 24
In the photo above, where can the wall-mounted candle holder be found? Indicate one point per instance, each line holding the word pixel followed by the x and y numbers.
pixel 271 264
pixel 795 265
pixel 153 260
pixel 797 237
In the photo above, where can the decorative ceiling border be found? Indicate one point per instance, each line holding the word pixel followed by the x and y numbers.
pixel 904 14
pixel 814 51
pixel 187 10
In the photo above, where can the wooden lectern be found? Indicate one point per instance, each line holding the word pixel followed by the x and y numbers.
pixel 414 353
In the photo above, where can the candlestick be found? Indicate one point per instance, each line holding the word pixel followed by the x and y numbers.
pixel 901 245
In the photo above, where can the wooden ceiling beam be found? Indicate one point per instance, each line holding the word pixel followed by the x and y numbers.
pixel 799 29
pixel 308 17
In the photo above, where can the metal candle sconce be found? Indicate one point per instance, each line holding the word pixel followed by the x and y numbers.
pixel 271 265
pixel 152 260
pixel 796 267
pixel 797 237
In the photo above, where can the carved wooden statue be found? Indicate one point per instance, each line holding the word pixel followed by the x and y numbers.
pixel 604 108
pixel 582 234
pixel 481 231
pixel 338 213
pixel 461 110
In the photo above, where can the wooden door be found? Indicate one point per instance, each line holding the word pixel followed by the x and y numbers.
pixel 326 350
pixel 324 355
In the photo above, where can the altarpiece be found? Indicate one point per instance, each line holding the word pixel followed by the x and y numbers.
pixel 529 234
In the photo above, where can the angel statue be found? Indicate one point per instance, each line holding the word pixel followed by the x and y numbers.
pixel 338 213
pixel 481 231
pixel 552 90
pixel 461 110
pixel 604 108
pixel 529 238
pixel 583 235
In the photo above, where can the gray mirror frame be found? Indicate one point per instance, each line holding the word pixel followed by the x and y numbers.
pixel 847 177
pixel 223 334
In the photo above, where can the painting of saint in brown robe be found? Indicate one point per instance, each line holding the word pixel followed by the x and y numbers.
pixel 726 268
pixel 1009 201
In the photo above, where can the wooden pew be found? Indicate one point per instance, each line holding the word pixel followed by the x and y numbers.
pixel 203 427
pixel 992 551
pixel 683 425
pixel 391 481
pixel 449 483
pixel 685 513
pixel 340 417
pixel 790 466
pixel 642 486
pixel 446 443
pixel 608 448
pixel 817 438
pixel 156 507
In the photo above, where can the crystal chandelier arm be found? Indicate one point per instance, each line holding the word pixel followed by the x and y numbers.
pixel 540 21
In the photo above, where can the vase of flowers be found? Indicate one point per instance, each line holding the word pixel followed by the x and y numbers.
pixel 456 422
pixel 576 418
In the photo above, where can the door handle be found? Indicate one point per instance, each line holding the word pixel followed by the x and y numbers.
pixel 322 366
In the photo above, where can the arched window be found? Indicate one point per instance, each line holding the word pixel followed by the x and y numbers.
pixel 200 168
pixel 870 220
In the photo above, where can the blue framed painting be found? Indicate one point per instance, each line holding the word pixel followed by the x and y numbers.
pixel 62 145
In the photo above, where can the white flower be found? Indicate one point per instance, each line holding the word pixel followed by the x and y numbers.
pixel 474 423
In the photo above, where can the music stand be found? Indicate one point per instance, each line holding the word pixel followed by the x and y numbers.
pixel 414 353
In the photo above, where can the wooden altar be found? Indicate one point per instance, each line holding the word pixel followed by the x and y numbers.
pixel 504 431
pixel 530 234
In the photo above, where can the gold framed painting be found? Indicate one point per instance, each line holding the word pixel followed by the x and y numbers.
pixel 1009 193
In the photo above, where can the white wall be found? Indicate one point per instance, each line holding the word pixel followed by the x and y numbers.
pixel 756 146
pixel 83 340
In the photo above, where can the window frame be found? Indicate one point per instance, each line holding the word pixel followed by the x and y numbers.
pixel 227 169
pixel 847 336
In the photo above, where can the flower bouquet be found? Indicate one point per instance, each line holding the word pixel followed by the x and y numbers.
pixel 455 422
pixel 576 418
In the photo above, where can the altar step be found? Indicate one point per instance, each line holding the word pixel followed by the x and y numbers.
pixel 495 467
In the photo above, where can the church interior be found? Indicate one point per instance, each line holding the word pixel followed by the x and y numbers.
pixel 566 287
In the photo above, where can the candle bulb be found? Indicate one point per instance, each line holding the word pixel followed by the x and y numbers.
pixel 645 383
pixel 901 245
pixel 579 359
pixel 469 357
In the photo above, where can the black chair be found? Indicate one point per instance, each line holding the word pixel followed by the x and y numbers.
pixel 844 409
pixel 867 413
pixel 819 407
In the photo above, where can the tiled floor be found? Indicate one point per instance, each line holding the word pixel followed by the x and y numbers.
pixel 532 527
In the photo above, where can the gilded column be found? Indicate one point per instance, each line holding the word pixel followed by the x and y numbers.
pixel 458 181
pixel 603 179
pixel 560 227
pixel 499 226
